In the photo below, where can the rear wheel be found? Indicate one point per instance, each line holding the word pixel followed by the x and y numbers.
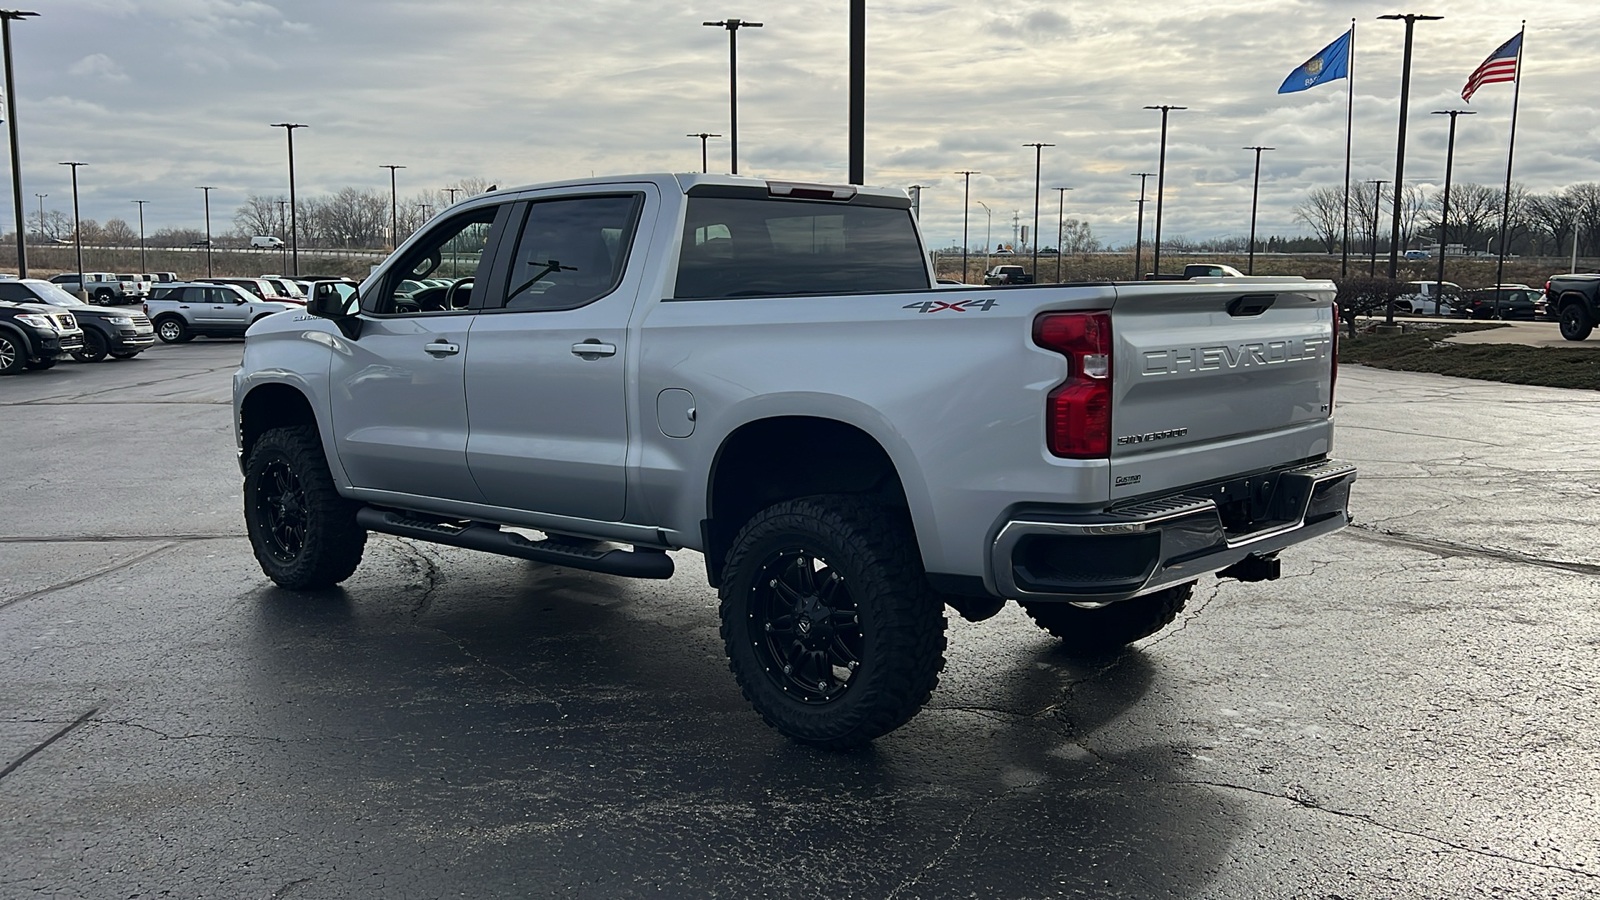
pixel 1575 324
pixel 303 533
pixel 1107 629
pixel 831 629
pixel 94 347
pixel 173 330
pixel 103 297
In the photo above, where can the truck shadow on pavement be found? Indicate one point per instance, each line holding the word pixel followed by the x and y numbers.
pixel 501 725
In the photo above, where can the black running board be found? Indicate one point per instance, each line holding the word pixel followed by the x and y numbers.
pixel 639 563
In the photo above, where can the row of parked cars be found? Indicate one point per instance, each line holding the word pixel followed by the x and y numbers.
pixel 41 323
pixel 1502 301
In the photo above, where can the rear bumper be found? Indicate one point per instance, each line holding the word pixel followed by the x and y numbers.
pixel 1109 556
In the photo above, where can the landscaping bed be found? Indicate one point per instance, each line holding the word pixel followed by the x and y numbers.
pixel 1422 348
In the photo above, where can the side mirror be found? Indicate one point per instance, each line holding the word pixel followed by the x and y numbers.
pixel 333 300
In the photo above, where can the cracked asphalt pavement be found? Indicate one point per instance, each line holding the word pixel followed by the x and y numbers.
pixel 1408 713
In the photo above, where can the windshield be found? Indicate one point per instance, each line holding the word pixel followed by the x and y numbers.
pixel 49 293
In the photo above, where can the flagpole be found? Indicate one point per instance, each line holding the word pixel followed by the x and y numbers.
pixel 1505 208
pixel 1349 117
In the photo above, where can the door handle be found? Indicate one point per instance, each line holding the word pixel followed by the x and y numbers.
pixel 442 348
pixel 593 349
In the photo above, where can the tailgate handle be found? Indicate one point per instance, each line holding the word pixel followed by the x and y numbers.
pixel 1251 304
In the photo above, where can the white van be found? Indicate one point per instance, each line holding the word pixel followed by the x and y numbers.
pixel 267 241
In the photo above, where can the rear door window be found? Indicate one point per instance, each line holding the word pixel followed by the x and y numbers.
pixel 760 247
pixel 571 251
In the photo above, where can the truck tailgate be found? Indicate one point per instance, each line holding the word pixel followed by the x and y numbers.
pixel 1218 378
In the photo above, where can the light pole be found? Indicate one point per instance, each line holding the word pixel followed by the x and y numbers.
pixel 1138 235
pixel 144 264
pixel 966 200
pixel 1377 200
pixel 394 209
pixel 1038 152
pixel 1255 191
pixel 733 26
pixel 6 17
pixel 41 214
pixel 207 189
pixel 1444 210
pixel 1410 19
pixel 294 225
pixel 1161 182
pixel 916 201
pixel 77 233
pixel 452 192
pixel 988 228
pixel 1061 210
pixel 283 249
pixel 858 92
pixel 703 136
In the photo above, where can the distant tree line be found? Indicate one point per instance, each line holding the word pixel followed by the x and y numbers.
pixel 1537 224
pixel 350 218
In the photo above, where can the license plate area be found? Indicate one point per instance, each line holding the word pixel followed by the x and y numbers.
pixel 1255 502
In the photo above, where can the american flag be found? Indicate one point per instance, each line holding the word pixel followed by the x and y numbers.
pixel 1500 66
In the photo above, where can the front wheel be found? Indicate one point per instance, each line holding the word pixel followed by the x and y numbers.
pixel 13 354
pixel 303 533
pixel 831 629
pixel 94 347
pixel 103 298
pixel 1575 324
pixel 172 330
pixel 1097 631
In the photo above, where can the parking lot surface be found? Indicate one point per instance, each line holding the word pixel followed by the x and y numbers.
pixel 1409 712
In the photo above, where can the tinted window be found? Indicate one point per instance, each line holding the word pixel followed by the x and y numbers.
pixel 571 252
pixel 755 248
pixel 15 293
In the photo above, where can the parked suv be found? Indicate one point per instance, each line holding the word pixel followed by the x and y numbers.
pixel 118 333
pixel 1509 301
pixel 182 312
pixel 33 335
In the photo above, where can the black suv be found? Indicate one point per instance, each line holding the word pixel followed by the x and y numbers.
pixel 120 333
pixel 34 335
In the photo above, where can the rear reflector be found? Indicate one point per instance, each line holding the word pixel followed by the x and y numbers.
pixel 1078 413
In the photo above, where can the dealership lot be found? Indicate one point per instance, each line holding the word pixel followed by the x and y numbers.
pixel 1408 713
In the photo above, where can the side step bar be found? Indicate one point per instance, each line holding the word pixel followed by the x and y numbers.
pixel 640 563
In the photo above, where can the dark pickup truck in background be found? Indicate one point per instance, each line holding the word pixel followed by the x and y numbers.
pixel 1575 302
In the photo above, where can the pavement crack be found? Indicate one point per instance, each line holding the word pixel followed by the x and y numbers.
pixel 288 888
pixel 116 538
pixel 1190 613
pixel 61 733
pixel 167 736
pixel 1449 549
pixel 73 582
pixel 1311 804
pixel 422 563
pixel 955 840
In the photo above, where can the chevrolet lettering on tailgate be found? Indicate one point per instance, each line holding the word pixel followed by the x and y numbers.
pixel 1234 356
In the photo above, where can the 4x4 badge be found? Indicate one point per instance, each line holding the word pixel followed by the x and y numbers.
pixel 933 306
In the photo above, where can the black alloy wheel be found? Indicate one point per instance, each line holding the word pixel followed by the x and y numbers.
pixel 280 503
pixel 1575 324
pixel 805 626
pixel 94 347
pixel 303 533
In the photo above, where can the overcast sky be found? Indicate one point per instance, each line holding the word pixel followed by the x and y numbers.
pixel 161 95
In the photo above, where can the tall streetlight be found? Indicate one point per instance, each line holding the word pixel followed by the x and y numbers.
pixel 394 209
pixel 453 192
pixel 703 136
pixel 144 264
pixel 1255 192
pixel 1138 235
pixel 966 200
pixel 988 229
pixel 207 189
pixel 6 17
pixel 733 26
pixel 1444 211
pixel 41 214
pixel 77 233
pixel 283 249
pixel 1061 211
pixel 294 225
pixel 858 92
pixel 1161 181
pixel 916 199
pixel 1410 19
pixel 1377 201
pixel 1038 153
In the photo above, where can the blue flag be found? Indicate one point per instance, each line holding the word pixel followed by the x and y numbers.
pixel 1331 64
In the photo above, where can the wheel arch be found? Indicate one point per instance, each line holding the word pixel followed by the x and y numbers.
pixel 272 405
pixel 784 457
pixel 1569 298
pixel 18 334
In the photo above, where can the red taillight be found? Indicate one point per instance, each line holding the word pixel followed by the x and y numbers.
pixel 1078 414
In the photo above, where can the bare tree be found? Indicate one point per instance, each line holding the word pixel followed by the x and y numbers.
pixel 1076 237
pixel 1586 198
pixel 119 234
pixel 1323 213
pixel 259 215
pixel 177 237
pixel 1413 200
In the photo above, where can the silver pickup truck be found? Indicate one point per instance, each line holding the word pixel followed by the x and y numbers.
pixel 600 372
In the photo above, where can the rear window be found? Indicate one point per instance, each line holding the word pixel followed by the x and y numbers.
pixel 738 247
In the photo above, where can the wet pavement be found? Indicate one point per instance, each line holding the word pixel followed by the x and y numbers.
pixel 1408 713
